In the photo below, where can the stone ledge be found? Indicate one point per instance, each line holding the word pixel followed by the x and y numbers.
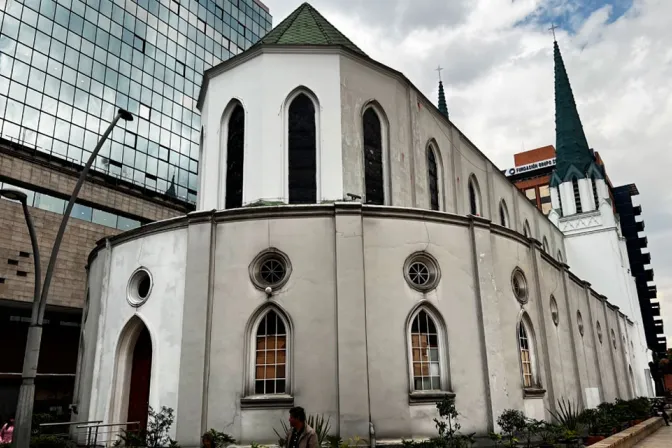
pixel 631 436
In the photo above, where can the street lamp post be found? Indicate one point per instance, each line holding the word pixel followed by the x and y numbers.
pixel 24 409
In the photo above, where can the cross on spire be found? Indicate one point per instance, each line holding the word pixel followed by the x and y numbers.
pixel 552 29
pixel 438 69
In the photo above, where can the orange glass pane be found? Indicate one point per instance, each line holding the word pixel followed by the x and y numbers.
pixel 261 343
pixel 281 342
pixel 261 358
pixel 260 373
pixel 281 355
pixel 415 340
pixel 424 342
pixel 270 357
pixel 271 343
pixel 416 354
pixel 280 371
pixel 425 369
pixel 270 372
pixel 417 370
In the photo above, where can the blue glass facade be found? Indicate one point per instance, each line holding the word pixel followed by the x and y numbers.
pixel 67 65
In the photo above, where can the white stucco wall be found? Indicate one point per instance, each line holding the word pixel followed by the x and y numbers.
pixel 163 254
pixel 262 85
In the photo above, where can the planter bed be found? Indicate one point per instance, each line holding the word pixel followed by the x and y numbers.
pixel 631 436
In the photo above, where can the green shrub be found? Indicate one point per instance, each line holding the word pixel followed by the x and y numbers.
pixel 51 441
pixel 156 434
pixel 221 439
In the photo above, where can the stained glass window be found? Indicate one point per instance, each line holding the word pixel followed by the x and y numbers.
pixel 432 172
pixel 425 353
pixel 271 356
pixel 302 151
pixel 373 158
pixel 235 148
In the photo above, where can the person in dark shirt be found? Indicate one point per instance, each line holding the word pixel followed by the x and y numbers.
pixel 301 435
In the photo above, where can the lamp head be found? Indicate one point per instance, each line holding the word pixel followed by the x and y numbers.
pixel 125 115
pixel 14 195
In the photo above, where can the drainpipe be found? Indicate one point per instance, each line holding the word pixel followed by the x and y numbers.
pixel 372 435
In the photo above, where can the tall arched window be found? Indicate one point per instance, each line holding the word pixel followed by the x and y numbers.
pixel 560 259
pixel 544 244
pixel 426 351
pixel 474 196
pixel 373 158
pixel 596 197
pixel 302 151
pixel 434 178
pixel 577 195
pixel 526 347
pixel 235 153
pixel 270 357
pixel 503 214
pixel 526 229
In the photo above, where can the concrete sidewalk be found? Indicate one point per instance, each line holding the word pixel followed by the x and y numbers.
pixel 659 439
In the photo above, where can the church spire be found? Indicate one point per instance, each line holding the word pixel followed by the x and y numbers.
pixel 443 107
pixel 573 155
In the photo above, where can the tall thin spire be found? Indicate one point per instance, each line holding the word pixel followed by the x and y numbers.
pixel 573 155
pixel 443 107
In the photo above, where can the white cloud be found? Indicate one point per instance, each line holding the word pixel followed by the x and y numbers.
pixel 499 83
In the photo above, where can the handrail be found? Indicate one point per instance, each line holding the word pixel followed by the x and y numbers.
pixel 107 425
pixel 69 423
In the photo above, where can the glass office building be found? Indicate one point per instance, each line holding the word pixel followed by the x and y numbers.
pixel 67 65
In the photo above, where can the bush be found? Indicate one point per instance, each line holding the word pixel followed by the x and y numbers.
pixel 156 434
pixel 220 439
pixel 51 441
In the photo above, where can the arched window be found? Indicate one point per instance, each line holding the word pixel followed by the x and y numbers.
pixel 503 214
pixel 235 151
pixel 474 196
pixel 302 151
pixel 577 195
pixel 596 197
pixel 526 347
pixel 426 351
pixel 544 244
pixel 434 178
pixel 560 259
pixel 526 229
pixel 270 357
pixel 373 158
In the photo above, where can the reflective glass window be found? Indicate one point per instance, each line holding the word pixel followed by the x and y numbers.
pixel 83 212
pixel 104 218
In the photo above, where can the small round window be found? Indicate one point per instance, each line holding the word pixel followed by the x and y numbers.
pixel 599 331
pixel 139 287
pixel 270 269
pixel 554 311
pixel 421 271
pixel 579 322
pixel 519 285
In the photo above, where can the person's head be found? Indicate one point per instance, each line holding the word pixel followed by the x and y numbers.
pixel 207 440
pixel 10 422
pixel 297 417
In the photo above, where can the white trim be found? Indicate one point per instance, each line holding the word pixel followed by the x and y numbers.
pixel 250 373
pixel 318 141
pixel 444 370
pixel 121 382
pixel 384 148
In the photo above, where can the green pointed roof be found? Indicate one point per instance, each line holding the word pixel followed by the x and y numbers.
pixel 573 155
pixel 306 26
pixel 443 107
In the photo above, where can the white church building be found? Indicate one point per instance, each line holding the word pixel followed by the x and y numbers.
pixel 354 253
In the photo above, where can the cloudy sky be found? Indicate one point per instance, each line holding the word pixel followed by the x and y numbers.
pixel 498 62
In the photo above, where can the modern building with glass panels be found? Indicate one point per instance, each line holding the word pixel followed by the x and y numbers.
pixel 67 65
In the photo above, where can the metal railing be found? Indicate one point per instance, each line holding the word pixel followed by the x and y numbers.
pixel 103 435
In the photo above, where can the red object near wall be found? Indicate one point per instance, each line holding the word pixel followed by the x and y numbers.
pixel 141 371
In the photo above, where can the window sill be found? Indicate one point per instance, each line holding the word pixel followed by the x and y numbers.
pixel 267 402
pixel 533 392
pixel 431 397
